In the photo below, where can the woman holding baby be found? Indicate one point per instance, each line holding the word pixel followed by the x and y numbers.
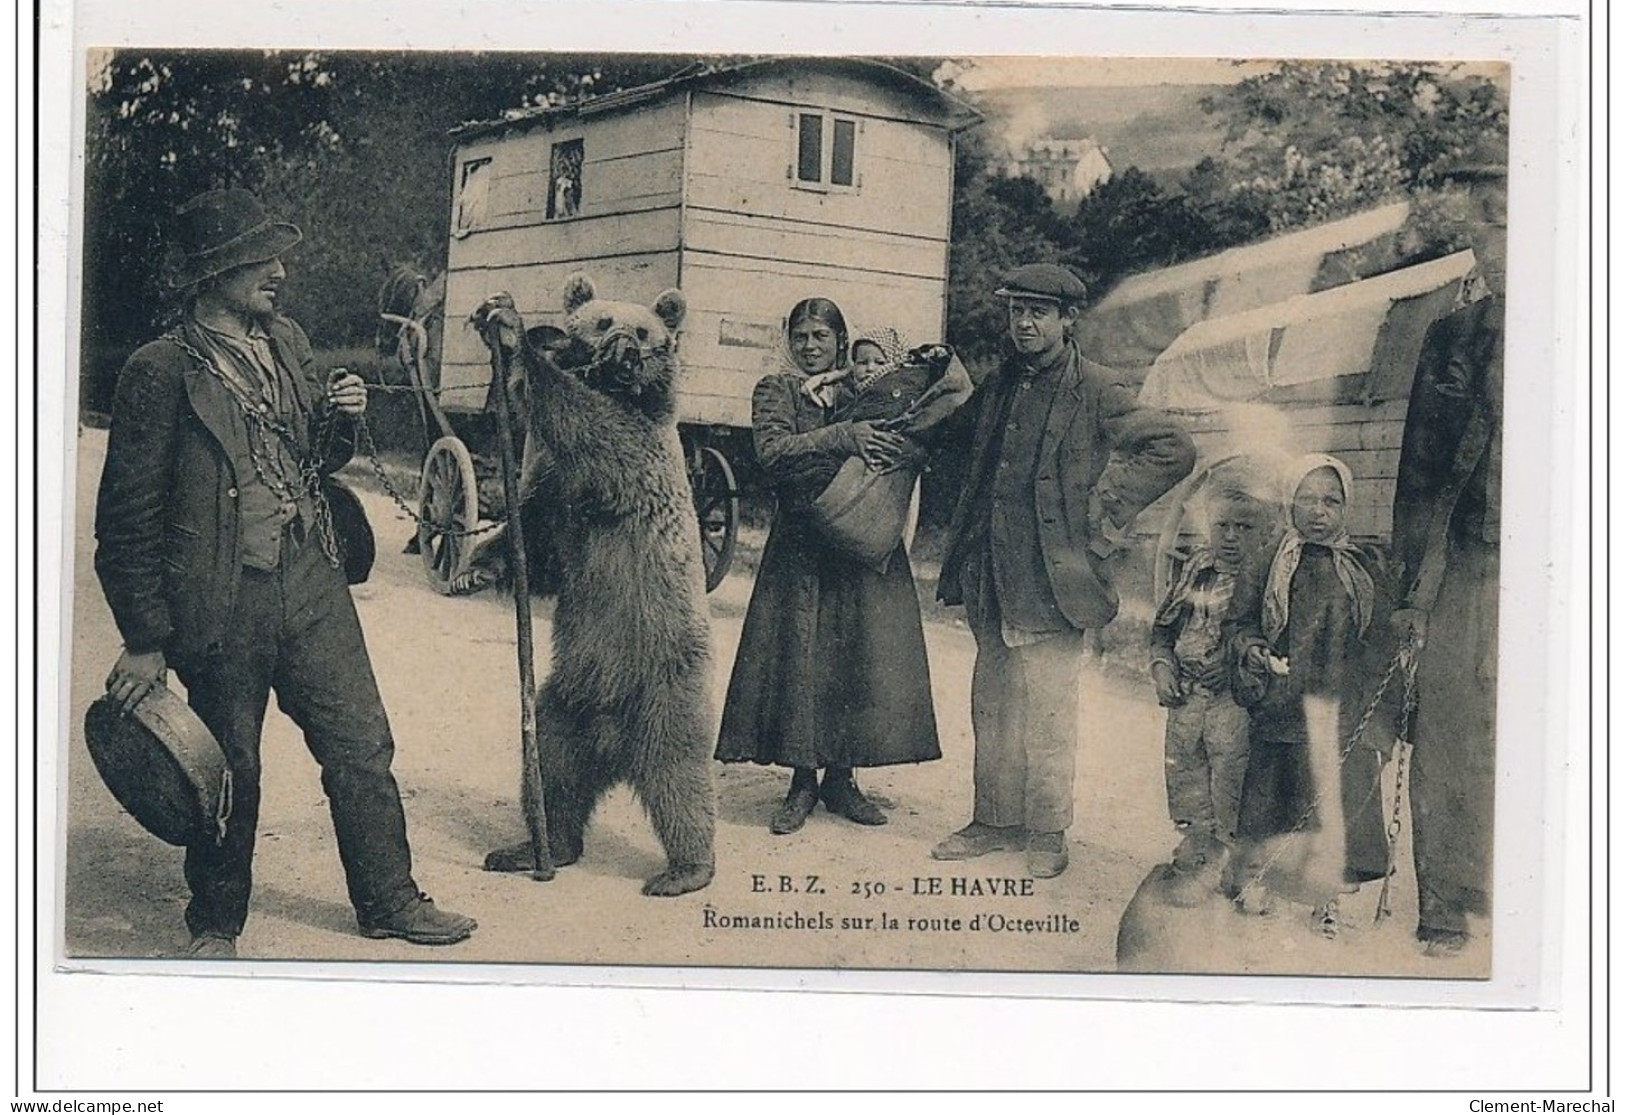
pixel 831 672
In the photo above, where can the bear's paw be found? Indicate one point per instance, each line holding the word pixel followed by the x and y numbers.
pixel 680 879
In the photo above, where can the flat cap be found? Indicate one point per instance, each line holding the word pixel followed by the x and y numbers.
pixel 1044 280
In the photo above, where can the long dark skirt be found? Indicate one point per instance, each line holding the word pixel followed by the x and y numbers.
pixel 1279 798
pixel 831 668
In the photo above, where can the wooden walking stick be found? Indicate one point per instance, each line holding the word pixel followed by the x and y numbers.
pixel 530 751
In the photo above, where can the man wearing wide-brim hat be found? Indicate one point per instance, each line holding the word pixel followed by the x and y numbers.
pixel 1062 461
pixel 217 554
pixel 1447 554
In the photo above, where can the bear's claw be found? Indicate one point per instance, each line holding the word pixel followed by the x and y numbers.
pixel 516 858
pixel 677 880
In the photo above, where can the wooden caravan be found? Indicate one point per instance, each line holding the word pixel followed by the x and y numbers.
pixel 750 186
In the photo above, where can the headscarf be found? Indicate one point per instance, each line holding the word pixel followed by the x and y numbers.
pixel 818 309
pixel 1345 556
pixel 891 343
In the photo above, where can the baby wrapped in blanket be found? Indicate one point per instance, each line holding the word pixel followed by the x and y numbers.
pixel 909 391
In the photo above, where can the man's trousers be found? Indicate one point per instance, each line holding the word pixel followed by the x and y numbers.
pixel 1453 755
pixel 294 631
pixel 1024 712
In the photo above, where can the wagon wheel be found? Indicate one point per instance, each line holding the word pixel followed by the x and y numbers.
pixel 716 505
pixel 448 504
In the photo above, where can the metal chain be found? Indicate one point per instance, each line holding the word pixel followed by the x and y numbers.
pixel 369 449
pixel 259 421
pixel 412 389
pixel 1402 749
pixel 310 475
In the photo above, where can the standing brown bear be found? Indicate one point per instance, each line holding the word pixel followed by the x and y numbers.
pixel 628 698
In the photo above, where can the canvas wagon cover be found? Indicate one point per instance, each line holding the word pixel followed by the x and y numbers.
pixel 1144 314
pixel 1374 325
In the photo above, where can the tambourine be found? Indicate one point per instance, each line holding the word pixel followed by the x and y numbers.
pixel 163 766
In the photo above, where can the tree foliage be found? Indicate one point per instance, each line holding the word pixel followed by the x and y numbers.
pixel 351 146
pixel 998 224
pixel 1131 223
pixel 1311 141
pixel 1304 143
pixel 162 126
pixel 354 148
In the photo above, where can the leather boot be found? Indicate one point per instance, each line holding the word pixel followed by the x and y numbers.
pixel 842 797
pixel 798 804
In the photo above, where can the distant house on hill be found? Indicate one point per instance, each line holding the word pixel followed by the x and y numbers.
pixel 1068 169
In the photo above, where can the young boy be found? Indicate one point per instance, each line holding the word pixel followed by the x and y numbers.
pixel 1205 745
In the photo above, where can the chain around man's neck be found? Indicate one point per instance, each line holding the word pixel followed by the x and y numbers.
pixel 222 320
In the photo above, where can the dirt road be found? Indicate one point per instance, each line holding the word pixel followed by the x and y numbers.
pixel 839 895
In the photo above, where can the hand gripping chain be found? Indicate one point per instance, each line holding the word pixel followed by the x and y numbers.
pixel 1404 659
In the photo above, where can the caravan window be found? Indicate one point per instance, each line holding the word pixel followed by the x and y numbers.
pixel 810 148
pixel 473 188
pixel 826 151
pixel 564 179
pixel 841 153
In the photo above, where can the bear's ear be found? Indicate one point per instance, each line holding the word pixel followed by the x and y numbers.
pixel 578 291
pixel 670 308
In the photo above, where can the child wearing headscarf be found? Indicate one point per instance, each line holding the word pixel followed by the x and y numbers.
pixel 1310 822
pixel 1205 742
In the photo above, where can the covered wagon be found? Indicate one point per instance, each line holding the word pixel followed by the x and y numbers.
pixel 1327 372
pixel 749 186
pixel 1142 315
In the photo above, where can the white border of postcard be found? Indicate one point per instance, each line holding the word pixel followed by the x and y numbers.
pixel 126 1031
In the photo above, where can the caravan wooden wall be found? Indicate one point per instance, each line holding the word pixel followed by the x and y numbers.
pixel 755 242
pixel 697 189
pixel 626 234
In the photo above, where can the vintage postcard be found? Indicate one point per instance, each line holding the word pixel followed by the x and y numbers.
pixel 1032 516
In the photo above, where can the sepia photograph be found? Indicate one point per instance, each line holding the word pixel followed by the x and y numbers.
pixel 959 545
pixel 966 514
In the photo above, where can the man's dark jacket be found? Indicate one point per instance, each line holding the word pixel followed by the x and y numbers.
pixel 168 543
pixel 1458 387
pixel 1097 441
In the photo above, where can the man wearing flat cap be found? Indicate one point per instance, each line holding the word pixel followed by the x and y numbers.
pixel 1061 463
pixel 217 554
pixel 1447 552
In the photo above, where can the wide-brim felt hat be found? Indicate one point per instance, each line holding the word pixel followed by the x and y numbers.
pixel 1044 280
pixel 220 230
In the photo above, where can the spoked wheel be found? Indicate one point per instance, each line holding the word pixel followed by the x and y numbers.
pixel 716 505
pixel 448 504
